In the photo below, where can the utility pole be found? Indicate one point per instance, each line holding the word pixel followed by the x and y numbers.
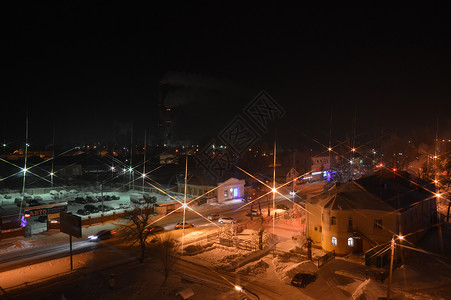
pixel 392 246
pixel 144 163
pixel 101 195
pixel 391 267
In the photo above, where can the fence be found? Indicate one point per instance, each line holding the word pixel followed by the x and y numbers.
pixel 12 233
pixel 321 261
pixel 30 283
pixel 246 245
pixel 226 242
pixel 103 218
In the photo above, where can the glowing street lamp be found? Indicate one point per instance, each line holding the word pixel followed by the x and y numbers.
pixel 242 290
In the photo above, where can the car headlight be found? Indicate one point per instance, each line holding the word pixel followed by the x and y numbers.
pixel 92 237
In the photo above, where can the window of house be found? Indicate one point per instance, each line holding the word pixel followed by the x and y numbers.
pixel 333 220
pixel 334 241
pixel 350 242
pixel 350 224
pixel 378 224
pixel 235 192
pixel 226 193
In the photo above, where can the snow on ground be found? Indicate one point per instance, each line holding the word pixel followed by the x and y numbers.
pixel 16 245
pixel 38 271
pixel 338 279
pixel 286 270
pixel 214 255
pixel 254 269
pixel 53 236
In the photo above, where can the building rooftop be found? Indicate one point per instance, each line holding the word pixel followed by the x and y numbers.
pixel 382 191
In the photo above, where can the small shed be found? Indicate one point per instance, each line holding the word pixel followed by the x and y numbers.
pixel 166 207
pixel 230 189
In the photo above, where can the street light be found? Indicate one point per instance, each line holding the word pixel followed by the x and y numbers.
pixel 242 290
pixel 400 237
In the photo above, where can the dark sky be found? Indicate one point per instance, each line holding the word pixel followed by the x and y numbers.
pixel 84 69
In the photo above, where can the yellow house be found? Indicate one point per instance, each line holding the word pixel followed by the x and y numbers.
pixel 362 214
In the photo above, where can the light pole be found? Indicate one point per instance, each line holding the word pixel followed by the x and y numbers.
pixel 393 243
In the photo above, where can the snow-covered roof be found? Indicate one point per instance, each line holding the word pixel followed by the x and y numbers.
pixel 376 192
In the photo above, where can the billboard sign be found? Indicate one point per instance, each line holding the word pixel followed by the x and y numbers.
pixel 70 224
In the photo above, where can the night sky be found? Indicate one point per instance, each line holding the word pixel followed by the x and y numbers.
pixel 89 69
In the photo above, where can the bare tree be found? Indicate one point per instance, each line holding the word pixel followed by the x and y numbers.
pixel 165 250
pixel 136 230
pixel 261 231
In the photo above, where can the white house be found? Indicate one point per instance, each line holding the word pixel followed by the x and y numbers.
pixel 230 189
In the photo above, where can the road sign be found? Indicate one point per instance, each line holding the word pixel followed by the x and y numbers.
pixel 70 224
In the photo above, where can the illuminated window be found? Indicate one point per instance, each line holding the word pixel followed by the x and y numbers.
pixel 235 192
pixel 334 241
pixel 226 193
pixel 350 242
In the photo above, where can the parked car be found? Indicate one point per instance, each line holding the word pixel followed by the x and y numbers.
pixel 302 279
pixel 71 202
pixel 27 199
pixel 137 199
pixel 213 217
pixel 83 212
pixel 227 220
pixel 105 207
pixel 180 225
pixel 253 212
pixel 124 206
pixel 34 203
pixel 91 208
pixel 89 199
pixel 154 229
pixel 101 235
pixel 282 206
pixel 80 200
pixel 115 197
